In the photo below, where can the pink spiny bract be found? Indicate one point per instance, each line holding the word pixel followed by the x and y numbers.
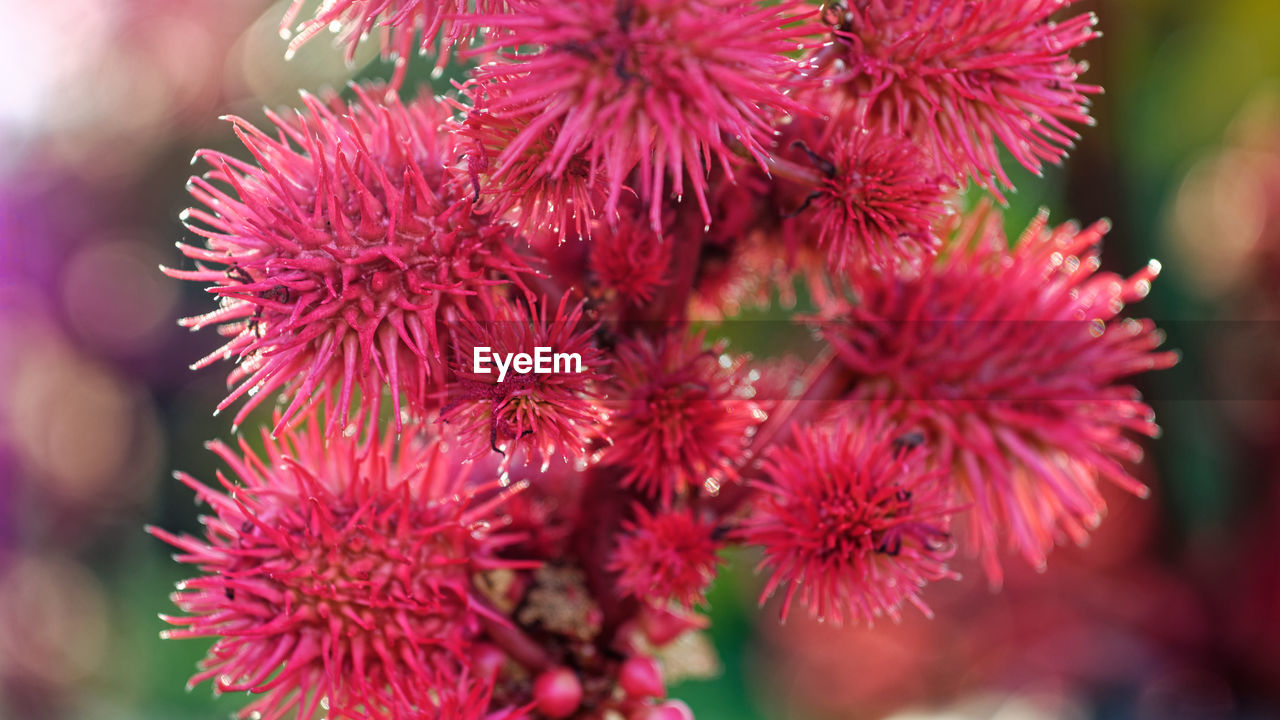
pixel 339 252
pixel 554 414
pixel 524 187
pixel 682 414
pixel 664 87
pixel 1009 358
pixel 958 76
pixel 338 571
pixel 666 557
pixel 630 260
pixel 877 202
pixel 851 522
pixel 398 21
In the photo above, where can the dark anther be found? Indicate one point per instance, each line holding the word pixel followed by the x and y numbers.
pixel 230 593
pixel 908 441
pixel 720 532
pixel 237 273
pixel 620 67
pixel 625 13
pixel 582 50
pixel 804 205
pixel 279 294
pixel 493 438
pixel 819 162
pixel 891 545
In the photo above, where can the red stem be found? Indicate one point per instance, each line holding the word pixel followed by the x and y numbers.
pixel 804 176
pixel 516 644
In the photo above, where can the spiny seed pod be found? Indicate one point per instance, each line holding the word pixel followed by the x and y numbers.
pixel 340 253
pixel 849 523
pixel 340 572
pixel 659 86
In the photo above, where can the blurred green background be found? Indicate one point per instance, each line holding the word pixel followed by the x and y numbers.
pixel 1174 611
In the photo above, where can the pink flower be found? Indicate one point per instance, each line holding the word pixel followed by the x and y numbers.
pixel 664 87
pixel 958 76
pixel 666 557
pixel 397 21
pixel 558 693
pixel 339 571
pixel 556 414
pixel 877 201
pixel 630 260
pixel 682 415
pixel 338 253
pixel 525 188
pixel 1009 358
pixel 851 521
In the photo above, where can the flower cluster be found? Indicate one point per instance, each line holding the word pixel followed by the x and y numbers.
pixel 960 76
pixel 525 538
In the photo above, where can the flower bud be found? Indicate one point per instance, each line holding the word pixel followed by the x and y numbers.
pixel 487 660
pixel 557 693
pixel 662 626
pixel 641 677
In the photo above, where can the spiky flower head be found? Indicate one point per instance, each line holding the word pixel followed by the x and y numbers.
pixel 666 557
pixel 524 187
pixel 877 201
pixel 1009 359
pixel 339 571
pixel 398 22
pixel 960 76
pixel 551 405
pixel 629 260
pixel 682 414
pixel 851 521
pixel 665 87
pixel 337 253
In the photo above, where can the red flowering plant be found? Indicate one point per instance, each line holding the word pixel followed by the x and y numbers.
pixel 511 442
